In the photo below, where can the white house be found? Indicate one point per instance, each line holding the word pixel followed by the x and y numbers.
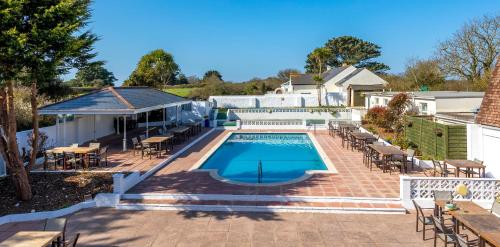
pixel 432 102
pixel 341 86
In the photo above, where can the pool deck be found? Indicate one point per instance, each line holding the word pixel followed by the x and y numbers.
pixel 353 178
pixel 110 227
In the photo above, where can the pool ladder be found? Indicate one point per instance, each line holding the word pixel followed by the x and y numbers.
pixel 259 172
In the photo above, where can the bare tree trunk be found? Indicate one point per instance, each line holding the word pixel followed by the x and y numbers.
pixel 35 134
pixel 8 143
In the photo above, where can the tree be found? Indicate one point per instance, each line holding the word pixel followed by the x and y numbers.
pixel 39 40
pixel 155 69
pixel 470 54
pixel 93 75
pixel 318 56
pixel 284 75
pixel 348 50
pixel 211 73
pixel 421 73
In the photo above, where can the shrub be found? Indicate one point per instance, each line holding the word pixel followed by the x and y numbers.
pixel 377 115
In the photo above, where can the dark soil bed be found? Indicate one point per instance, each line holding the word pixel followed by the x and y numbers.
pixel 53 191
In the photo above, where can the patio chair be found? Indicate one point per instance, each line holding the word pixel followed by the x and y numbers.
pixel 72 242
pixel 441 195
pixel 463 240
pixel 445 233
pixel 411 155
pixel 72 159
pixel 136 145
pixel 100 156
pixel 421 217
pixel 56 224
pixel 74 145
pixel 52 159
pixel 395 163
pixel 471 173
pixel 148 149
pixel 495 208
pixel 439 169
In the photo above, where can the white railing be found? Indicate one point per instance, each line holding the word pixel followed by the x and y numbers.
pixel 481 190
pixel 272 122
pixel 279 109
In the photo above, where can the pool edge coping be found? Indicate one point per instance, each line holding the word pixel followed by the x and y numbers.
pixel 307 173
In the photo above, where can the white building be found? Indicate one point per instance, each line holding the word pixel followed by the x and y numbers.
pixel 432 102
pixel 341 86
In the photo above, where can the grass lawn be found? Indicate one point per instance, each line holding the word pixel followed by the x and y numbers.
pixel 180 91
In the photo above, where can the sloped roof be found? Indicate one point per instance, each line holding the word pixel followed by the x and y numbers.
pixel 433 94
pixel 349 76
pixel 308 79
pixel 489 113
pixel 114 100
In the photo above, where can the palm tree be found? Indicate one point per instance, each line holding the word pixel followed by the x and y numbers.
pixel 319 55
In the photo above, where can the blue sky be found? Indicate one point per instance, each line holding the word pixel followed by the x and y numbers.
pixel 246 39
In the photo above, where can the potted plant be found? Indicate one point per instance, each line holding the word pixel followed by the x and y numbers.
pixel 438 132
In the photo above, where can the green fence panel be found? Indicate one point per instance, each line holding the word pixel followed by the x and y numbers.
pixel 437 140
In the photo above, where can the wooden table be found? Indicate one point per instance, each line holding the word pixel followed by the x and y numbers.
pixel 467 164
pixel 31 239
pixel 362 136
pixel 388 151
pixel 476 218
pixel 180 131
pixel 195 127
pixel 83 151
pixel 158 140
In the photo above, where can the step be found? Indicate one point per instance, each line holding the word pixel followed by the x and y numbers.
pixel 296 204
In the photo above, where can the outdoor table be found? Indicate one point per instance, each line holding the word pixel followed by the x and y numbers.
pixel 363 137
pixel 158 140
pixel 467 164
pixel 388 151
pixel 32 239
pixel 476 218
pixel 180 131
pixel 83 151
pixel 195 127
pixel 346 126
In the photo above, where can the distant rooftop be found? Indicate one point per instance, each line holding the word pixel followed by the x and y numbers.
pixel 308 79
pixel 115 100
pixel 434 94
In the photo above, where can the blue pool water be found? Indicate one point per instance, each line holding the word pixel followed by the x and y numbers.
pixel 283 157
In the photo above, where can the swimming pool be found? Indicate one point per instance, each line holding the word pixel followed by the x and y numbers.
pixel 264 158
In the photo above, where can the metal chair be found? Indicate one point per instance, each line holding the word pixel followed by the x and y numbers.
pixel 99 157
pixel 56 224
pixel 411 154
pixel 136 145
pixel 495 208
pixel 149 149
pixel 463 240
pixel 72 159
pixel 439 169
pixel 72 243
pixel 443 232
pixel 426 220
pixel 52 159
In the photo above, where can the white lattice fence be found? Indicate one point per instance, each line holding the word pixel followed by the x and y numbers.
pixel 481 190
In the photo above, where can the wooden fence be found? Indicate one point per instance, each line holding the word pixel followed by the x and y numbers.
pixel 438 140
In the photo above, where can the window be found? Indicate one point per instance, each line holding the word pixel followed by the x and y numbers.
pixel 386 101
pixel 376 101
pixel 423 107
pixel 186 107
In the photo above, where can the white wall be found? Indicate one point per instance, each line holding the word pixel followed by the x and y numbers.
pixel 483 143
pixel 458 105
pixel 305 89
pixel 264 101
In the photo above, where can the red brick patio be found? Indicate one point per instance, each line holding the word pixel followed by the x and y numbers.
pixel 353 178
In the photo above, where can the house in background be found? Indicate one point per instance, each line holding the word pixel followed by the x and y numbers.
pixel 341 86
pixel 433 102
pixel 483 137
